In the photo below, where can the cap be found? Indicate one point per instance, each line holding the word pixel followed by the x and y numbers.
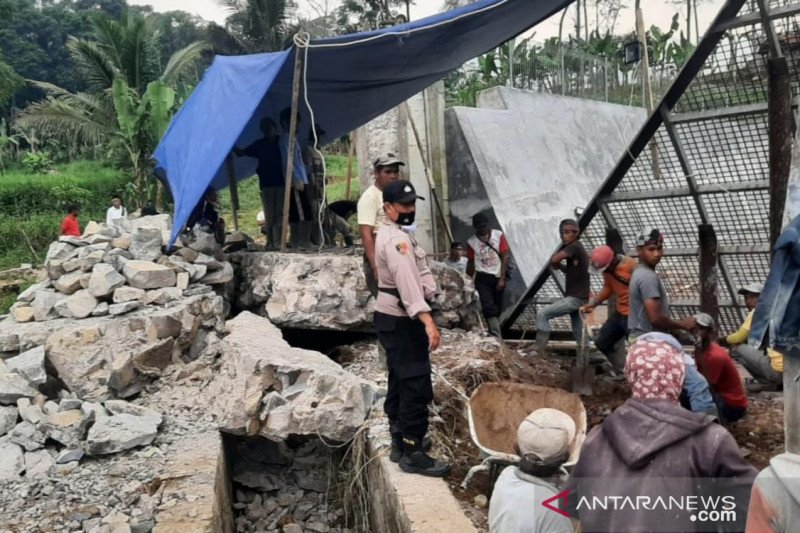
pixel 400 192
pixel 479 221
pixel 705 320
pixel 753 288
pixel 387 160
pixel 602 256
pixel 650 236
pixel 546 433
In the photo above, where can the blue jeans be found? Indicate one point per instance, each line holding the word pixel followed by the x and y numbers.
pixel 697 391
pixel 567 305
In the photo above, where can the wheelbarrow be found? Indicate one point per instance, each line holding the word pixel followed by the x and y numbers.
pixel 495 411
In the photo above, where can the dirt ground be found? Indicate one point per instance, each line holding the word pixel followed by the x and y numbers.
pixel 759 434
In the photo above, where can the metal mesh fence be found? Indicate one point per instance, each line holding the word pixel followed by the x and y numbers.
pixel 707 163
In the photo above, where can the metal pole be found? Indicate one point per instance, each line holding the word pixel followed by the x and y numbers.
pixel 605 75
pixel 298 68
pixel 709 274
pixel 511 62
pixel 234 188
pixel 779 109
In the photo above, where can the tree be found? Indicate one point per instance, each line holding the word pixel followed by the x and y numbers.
pixel 10 83
pixel 126 92
pixel 253 26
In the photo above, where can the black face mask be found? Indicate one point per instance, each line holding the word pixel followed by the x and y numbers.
pixel 406 219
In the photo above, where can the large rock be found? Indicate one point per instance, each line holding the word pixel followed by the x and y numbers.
pixel 120 432
pixel 28 436
pixel 69 283
pixel 208 261
pixel 43 305
pixel 79 305
pixel 162 296
pixel 59 250
pixel 30 365
pixel 159 222
pixel 13 387
pixel 8 419
pixel 121 407
pixel 104 280
pixel 323 399
pixel 125 307
pixel 146 244
pixel 219 276
pixel 128 294
pixel 9 342
pixel 91 228
pixel 204 243
pixel 330 291
pixel 38 464
pixel 29 294
pixel 12 462
pixel 29 412
pixel 67 427
pixel 22 313
pixel 88 261
pixel 147 275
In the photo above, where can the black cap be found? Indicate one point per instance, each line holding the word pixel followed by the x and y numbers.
pixel 480 221
pixel 400 192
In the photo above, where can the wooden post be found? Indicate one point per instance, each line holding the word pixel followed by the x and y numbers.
pixel 781 124
pixel 641 36
pixel 351 148
pixel 298 69
pixel 233 185
pixel 709 272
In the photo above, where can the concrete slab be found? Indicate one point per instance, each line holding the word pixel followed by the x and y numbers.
pixel 529 160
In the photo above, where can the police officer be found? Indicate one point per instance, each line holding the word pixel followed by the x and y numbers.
pixel 406 330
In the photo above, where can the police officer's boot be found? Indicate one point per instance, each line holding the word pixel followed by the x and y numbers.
pixel 494 326
pixel 542 337
pixel 397 444
pixel 416 461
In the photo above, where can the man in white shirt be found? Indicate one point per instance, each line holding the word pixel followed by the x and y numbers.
pixel 544 441
pixel 117 210
pixel 456 258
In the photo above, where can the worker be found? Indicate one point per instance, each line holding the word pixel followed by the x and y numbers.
pixel 487 261
pixel 206 217
pixel 649 313
pixel 271 179
pixel 774 501
pixel 117 210
pixel 370 212
pixel 455 259
pixel 70 226
pixel 617 270
pixel 406 330
pixel 544 441
pixel 651 447
pixel 765 367
pixel 715 364
pixel 573 260
pixel 315 170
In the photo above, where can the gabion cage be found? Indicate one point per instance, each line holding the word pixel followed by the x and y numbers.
pixel 710 138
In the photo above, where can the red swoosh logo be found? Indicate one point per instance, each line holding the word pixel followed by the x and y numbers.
pixel 560 496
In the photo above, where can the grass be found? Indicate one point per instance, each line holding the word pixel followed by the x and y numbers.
pixel 250 196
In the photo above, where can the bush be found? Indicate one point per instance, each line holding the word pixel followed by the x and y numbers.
pixel 37 163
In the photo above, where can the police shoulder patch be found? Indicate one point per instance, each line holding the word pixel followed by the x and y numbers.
pixel 401 247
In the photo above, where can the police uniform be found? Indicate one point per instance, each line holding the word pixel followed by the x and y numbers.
pixel 405 286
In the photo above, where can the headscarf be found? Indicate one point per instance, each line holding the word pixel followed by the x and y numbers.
pixel 655 369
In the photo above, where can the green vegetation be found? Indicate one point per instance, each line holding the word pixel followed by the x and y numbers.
pixel 33 206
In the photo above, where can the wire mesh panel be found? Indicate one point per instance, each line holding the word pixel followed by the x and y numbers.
pixel 718 114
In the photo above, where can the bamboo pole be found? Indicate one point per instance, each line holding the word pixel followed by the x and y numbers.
pixel 298 68
pixel 351 148
pixel 233 185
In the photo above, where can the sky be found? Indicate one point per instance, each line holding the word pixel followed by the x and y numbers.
pixel 658 12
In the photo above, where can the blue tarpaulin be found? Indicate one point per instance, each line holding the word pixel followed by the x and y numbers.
pixel 349 79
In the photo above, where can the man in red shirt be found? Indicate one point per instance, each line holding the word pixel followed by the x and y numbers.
pixel 69 226
pixel 715 363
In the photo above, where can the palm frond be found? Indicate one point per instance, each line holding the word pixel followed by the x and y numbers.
pixel 109 36
pixel 182 60
pixel 60 119
pixel 223 41
pixel 95 64
pixel 135 51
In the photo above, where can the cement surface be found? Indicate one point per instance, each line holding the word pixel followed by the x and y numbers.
pixel 529 160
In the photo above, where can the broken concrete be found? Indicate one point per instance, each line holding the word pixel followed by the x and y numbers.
pixel 30 365
pixel 147 275
pixel 120 432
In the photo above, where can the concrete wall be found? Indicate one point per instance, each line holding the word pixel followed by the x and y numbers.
pixel 529 160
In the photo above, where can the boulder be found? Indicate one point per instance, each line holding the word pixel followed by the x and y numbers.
pixel 147 275
pixel 29 412
pixel 98 238
pixel 125 307
pixel 187 254
pixel 127 294
pixel 164 324
pixel 121 407
pixel 13 387
pixel 91 228
pixel 79 357
pixel 79 305
pixel 208 261
pixel 154 358
pixel 162 296
pixel 67 427
pixel 68 283
pixel 104 280
pixel 22 313
pixel 220 276
pixel 59 250
pixel 146 244
pixel 67 404
pixel 204 242
pixel 43 305
pixel 236 241
pixel 71 265
pixel 50 407
pixel 122 373
pixel 101 309
pixel 123 242
pixel 333 403
pixel 8 419
pixel 9 342
pixel 122 225
pixel 28 436
pixel 182 283
pixel 88 262
pixel 29 294
pixel 159 222
pixel 38 464
pixel 117 258
pixel 120 432
pixel 12 462
pixel 55 268
pixel 30 365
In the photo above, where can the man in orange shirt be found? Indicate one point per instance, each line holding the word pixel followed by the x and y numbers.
pixel 617 270
pixel 69 226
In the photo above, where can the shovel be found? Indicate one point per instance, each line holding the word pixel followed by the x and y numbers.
pixel 583 372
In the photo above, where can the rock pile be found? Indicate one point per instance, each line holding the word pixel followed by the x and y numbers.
pixel 113 270
pixel 280 488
